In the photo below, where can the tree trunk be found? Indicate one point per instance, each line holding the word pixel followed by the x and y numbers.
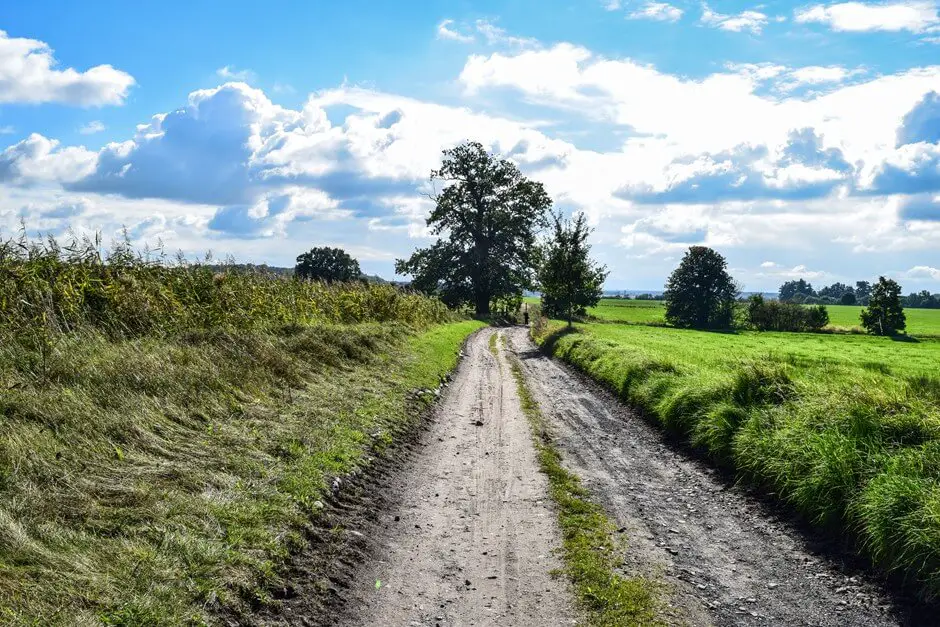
pixel 482 304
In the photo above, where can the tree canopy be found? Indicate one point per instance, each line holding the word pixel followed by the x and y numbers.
pixel 331 265
pixel 487 218
pixel 700 293
pixel 884 314
pixel 790 289
pixel 570 281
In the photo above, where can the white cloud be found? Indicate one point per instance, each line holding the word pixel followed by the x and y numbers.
pixel 611 5
pixel 95 126
pixel 770 264
pixel 796 272
pixel 38 159
pixel 762 170
pixel 915 16
pixel 28 74
pixel 229 73
pixel 923 272
pixel 444 31
pixel 671 117
pixel 753 21
pixel 7 130
pixel 659 11
pixel 495 35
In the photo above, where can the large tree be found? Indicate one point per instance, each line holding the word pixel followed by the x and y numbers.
pixel 884 314
pixel 570 281
pixel 331 265
pixel 700 293
pixel 487 218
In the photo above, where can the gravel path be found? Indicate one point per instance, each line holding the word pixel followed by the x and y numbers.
pixel 469 533
pixel 729 559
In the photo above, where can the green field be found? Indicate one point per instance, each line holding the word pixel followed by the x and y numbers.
pixel 844 428
pixel 920 322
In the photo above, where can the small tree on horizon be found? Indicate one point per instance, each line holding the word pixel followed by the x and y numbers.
pixel 884 314
pixel 700 294
pixel 488 217
pixel 330 265
pixel 570 281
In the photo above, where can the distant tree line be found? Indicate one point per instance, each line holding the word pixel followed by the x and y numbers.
pixel 802 292
pixel 700 294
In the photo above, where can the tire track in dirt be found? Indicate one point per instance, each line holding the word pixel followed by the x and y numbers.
pixel 728 559
pixel 470 533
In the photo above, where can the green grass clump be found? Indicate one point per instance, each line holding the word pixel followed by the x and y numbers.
pixel 590 554
pixel 852 447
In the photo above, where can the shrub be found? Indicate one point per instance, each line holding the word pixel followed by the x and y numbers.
pixel 774 315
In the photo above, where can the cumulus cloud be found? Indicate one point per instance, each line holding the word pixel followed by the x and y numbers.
pixel 923 272
pixel 915 16
pixel 753 21
pixel 199 153
pixel 921 123
pixel 28 74
pixel 39 159
pixel 799 169
pixel 658 11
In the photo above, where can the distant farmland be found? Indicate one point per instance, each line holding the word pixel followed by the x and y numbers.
pixel 920 322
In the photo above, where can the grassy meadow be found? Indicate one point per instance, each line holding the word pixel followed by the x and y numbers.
pixel 920 322
pixel 844 428
pixel 169 433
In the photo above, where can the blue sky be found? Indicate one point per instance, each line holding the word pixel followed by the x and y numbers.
pixel 798 139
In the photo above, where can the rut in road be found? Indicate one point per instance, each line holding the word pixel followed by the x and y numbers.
pixel 470 534
pixel 728 560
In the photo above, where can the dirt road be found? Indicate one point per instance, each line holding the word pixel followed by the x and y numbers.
pixel 469 536
pixel 466 533
pixel 728 558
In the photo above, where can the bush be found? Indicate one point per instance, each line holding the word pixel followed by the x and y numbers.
pixel 774 315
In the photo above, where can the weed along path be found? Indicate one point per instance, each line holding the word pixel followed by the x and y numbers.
pixel 725 558
pixel 470 535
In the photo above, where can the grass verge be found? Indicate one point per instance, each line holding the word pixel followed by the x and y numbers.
pixel 590 553
pixel 164 480
pixel 844 429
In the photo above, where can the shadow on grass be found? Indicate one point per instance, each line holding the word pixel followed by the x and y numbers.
pixel 909 339
pixel 548 345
